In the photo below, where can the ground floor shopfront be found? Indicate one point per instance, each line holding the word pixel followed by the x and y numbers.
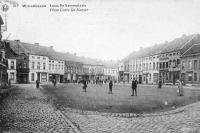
pixel 191 77
pixel 169 77
pixel 150 77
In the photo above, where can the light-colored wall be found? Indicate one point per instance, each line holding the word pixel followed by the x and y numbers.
pixel 56 70
pixel 12 70
pixel 35 70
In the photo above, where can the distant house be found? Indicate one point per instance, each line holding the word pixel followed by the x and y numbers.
pixel 3 66
pixel 169 61
pixel 190 65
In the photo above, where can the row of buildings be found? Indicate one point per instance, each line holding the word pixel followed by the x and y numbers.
pixel 170 61
pixel 26 63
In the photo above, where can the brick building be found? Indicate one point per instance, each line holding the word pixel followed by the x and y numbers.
pixel 190 65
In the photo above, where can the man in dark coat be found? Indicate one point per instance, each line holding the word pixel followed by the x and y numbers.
pixel 84 85
pixel 37 83
pixel 134 87
pixel 110 87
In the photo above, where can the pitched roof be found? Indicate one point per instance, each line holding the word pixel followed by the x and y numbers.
pixel 178 43
pixel 193 50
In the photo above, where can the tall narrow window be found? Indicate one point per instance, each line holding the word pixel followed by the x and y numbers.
pixel 32 77
pixel 12 64
pixel 195 76
pixel 195 64
pixel 38 65
pixel 49 66
pixel 190 64
pixel 44 66
pixel 33 65
pixel 12 76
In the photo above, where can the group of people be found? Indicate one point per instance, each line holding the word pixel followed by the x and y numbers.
pixel 133 86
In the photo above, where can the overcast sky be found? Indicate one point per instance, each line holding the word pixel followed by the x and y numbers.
pixel 111 29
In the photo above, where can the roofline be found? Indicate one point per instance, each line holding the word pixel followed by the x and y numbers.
pixel 190 55
pixel 188 41
pixel 190 48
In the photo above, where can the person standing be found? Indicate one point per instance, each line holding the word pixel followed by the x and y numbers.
pixel 160 83
pixel 84 85
pixel 110 87
pixel 180 88
pixel 54 82
pixel 134 87
pixel 37 83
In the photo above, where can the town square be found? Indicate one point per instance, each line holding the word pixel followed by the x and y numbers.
pixel 103 70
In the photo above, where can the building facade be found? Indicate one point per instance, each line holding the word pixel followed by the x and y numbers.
pixel 73 71
pixel 56 70
pixel 3 66
pixel 39 68
pixel 150 68
pixel 190 66
pixel 12 70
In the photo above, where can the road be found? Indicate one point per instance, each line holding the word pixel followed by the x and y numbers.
pixel 27 109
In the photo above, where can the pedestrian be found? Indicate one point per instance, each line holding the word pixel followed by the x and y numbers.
pixel 110 87
pixel 84 85
pixel 134 87
pixel 160 84
pixel 54 82
pixel 180 88
pixel 37 83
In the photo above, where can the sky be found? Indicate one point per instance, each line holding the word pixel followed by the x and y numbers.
pixel 110 29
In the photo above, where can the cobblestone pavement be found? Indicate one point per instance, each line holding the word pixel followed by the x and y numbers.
pixel 26 109
pixel 30 111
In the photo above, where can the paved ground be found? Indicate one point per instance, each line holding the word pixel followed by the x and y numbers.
pixel 28 110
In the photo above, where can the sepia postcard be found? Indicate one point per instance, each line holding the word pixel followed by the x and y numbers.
pixel 99 66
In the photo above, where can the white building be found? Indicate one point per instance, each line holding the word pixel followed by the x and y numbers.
pixel 111 73
pixel 150 69
pixel 12 70
pixel 56 70
pixel 39 66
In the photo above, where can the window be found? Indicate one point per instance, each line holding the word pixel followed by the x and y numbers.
pixel 38 65
pixel 12 76
pixel 12 64
pixel 167 65
pixel 25 65
pixel 149 66
pixel 189 64
pixel 189 76
pixel 55 67
pixel 154 66
pixel 52 66
pixel 44 66
pixel 49 66
pixel 195 76
pixel 38 57
pixel 183 65
pixel 161 65
pixel 33 57
pixel 195 64
pixel 33 65
pixel 199 64
pixel 32 76
pixel 44 58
